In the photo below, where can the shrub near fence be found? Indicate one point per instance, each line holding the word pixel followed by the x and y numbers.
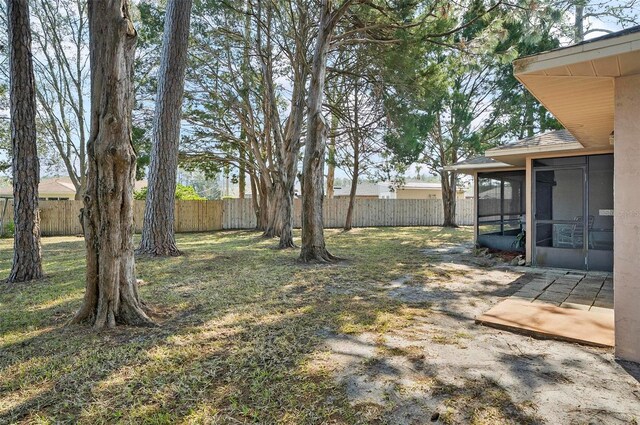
pixel 59 218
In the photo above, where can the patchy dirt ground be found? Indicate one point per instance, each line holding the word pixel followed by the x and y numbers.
pixel 423 372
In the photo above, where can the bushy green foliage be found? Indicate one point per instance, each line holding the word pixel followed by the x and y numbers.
pixel 9 230
pixel 183 193
pixel 187 193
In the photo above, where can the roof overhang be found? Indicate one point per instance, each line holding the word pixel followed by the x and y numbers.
pixel 405 187
pixel 471 168
pixel 532 150
pixel 518 156
pixel 576 84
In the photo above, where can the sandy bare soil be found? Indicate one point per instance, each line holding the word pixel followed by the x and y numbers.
pixel 442 367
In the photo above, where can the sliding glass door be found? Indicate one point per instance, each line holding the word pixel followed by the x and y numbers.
pixel 573 223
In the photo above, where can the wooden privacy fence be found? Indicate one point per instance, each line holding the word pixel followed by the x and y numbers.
pixel 238 213
pixel 62 217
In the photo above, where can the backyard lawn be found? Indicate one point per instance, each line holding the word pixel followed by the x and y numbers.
pixel 248 335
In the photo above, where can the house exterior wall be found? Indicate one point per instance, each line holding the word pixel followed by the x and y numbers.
pixel 357 197
pixel 626 268
pixel 475 208
pixel 529 210
pixel 52 195
pixel 423 194
pixel 45 194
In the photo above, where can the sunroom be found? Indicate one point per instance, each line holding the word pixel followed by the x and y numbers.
pixel 581 187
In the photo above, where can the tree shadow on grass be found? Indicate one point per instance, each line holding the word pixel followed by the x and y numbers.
pixel 244 366
pixel 244 361
pixel 239 343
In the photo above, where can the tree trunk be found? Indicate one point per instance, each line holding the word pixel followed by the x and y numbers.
pixel 355 143
pixel 449 179
pixel 256 196
pixel 27 257
pixel 111 295
pixel 274 224
pixel 288 170
pixel 286 227
pixel 158 237
pixel 80 191
pixel 354 188
pixel 352 200
pixel 263 211
pixel 529 111
pixel 313 243
pixel 242 171
pixel 331 170
pixel 290 147
pixel 578 26
pixel 286 143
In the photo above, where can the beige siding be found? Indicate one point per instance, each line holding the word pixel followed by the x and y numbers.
pixel 626 239
pixel 423 194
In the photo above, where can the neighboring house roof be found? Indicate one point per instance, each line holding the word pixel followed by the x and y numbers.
pixel 424 186
pixel 376 189
pixel 59 186
pixel 495 193
pixel 362 189
pixel 420 185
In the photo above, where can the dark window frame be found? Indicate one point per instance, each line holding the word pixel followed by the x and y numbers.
pixel 510 219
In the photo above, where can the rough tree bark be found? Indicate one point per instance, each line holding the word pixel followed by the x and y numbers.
pixel 313 243
pixel 263 213
pixel 348 222
pixel 354 186
pixel 578 24
pixel 158 237
pixel 448 180
pixel 449 183
pixel 242 172
pixel 331 157
pixel 27 257
pixel 288 157
pixel 274 218
pixel 286 142
pixel 290 146
pixel 355 175
pixel 111 295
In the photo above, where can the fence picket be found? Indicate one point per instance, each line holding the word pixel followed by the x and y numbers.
pixel 62 217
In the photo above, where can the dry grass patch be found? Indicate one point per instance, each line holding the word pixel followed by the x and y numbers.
pixel 483 402
pixel 240 323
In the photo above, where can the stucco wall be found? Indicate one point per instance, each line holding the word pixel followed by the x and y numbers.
pixel 627 217
pixel 423 194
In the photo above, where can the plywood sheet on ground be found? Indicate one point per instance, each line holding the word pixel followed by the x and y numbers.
pixel 547 320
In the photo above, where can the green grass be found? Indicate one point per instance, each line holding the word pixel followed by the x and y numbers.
pixel 239 325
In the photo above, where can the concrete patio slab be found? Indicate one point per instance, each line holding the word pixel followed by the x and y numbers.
pixel 576 307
